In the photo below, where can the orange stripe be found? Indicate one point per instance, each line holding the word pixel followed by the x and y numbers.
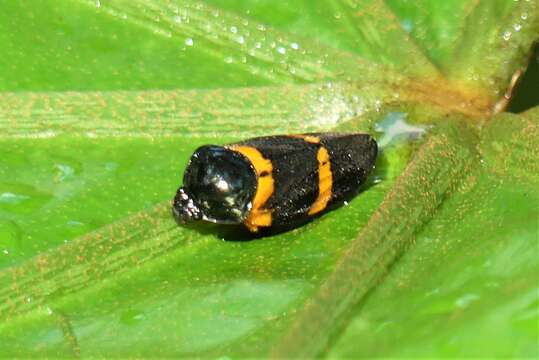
pixel 325 178
pixel 265 186
pixel 325 182
pixel 308 138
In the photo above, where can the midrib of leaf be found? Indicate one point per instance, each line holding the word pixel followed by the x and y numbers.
pixel 203 113
pixel 282 109
pixel 111 250
pixel 471 275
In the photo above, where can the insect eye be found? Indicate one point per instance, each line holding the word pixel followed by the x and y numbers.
pixel 221 182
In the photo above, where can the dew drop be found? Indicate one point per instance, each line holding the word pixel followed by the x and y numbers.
pixel 281 50
pixel 65 172
pixel 466 300
pixel 507 35
pixel 189 42
pixel 524 16
pixel 111 166
pixel 21 198
pixel 378 105
pixel 517 27
pixel 12 198
pixel 131 317
pixel 233 30
pixel 294 46
pixel 407 25
pixel 65 168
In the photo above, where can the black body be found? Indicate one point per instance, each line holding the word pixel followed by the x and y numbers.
pixel 295 170
pixel 295 174
pixel 301 167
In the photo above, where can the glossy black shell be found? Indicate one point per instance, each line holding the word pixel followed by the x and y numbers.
pixel 218 186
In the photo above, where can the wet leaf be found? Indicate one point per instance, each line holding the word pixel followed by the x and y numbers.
pixel 104 101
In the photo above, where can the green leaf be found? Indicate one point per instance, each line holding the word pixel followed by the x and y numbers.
pixel 104 101
pixel 469 282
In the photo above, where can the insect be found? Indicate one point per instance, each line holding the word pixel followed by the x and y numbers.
pixel 273 181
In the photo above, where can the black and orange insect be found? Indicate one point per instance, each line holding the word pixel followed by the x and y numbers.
pixel 273 181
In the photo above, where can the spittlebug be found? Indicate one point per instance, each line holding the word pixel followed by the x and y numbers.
pixel 273 181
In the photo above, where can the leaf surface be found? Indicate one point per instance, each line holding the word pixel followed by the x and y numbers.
pixel 104 101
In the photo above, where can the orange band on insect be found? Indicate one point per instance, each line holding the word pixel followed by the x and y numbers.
pixel 258 216
pixel 309 138
pixel 325 182
pixel 325 178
